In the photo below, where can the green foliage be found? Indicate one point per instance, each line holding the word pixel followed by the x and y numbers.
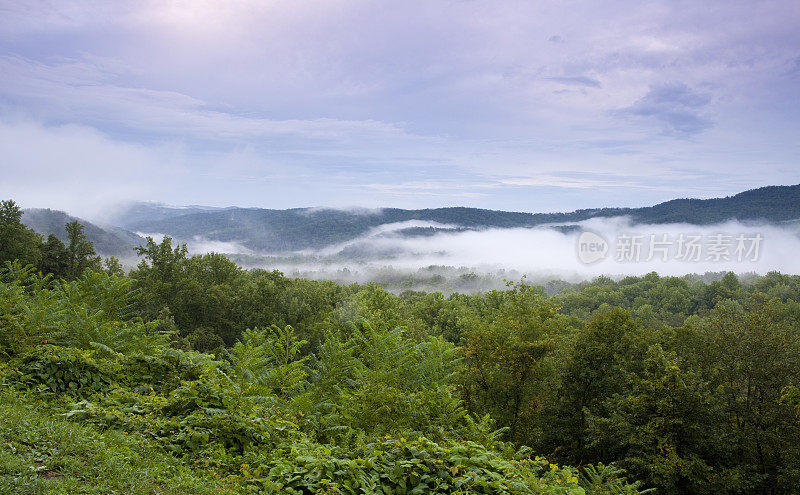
pixel 63 370
pixel 55 257
pixel 80 251
pixel 664 428
pixel 687 384
pixel 266 417
pixel 14 327
pixel 112 266
pixel 590 370
pixel 94 311
pixel 753 355
pixel 44 453
pixel 17 242
pixel 608 480
pixel 20 243
pixel 419 466
pixel 376 382
pixel 267 362
pixel 507 350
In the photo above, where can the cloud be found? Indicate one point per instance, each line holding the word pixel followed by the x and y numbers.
pixel 83 89
pixel 576 81
pixel 376 233
pixel 285 103
pixel 77 168
pixel 793 67
pixel 545 254
pixel 432 185
pixel 674 106
pixel 201 245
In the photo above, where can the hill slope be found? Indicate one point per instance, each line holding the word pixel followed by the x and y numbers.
pixel 107 240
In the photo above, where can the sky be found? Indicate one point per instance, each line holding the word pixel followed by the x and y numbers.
pixel 525 106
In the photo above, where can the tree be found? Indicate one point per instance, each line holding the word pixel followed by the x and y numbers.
pixel 17 242
pixel 112 266
pixel 592 370
pixel 506 350
pixel 667 429
pixel 756 356
pixel 157 275
pixel 267 362
pixel 161 260
pixel 55 257
pixel 80 251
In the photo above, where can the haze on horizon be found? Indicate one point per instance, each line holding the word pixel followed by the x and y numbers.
pixel 543 106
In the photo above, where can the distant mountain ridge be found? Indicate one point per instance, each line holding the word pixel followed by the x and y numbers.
pixel 132 213
pixel 266 230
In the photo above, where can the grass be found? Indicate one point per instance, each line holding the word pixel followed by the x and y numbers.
pixel 43 453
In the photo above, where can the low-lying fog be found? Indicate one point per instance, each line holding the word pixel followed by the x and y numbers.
pixel 430 256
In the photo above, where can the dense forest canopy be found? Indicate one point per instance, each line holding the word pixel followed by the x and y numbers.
pixel 190 374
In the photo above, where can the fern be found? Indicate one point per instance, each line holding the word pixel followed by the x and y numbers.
pixel 602 479
pixel 267 362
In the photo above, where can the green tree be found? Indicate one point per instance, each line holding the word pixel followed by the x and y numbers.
pixel 756 355
pixel 17 242
pixel 80 251
pixel 157 275
pixel 591 370
pixel 376 381
pixel 267 362
pixel 112 266
pixel 667 429
pixel 55 257
pixel 506 349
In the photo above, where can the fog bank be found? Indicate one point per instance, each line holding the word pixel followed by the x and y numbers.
pixel 486 258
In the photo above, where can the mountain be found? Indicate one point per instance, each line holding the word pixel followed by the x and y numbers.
pixel 132 213
pixel 772 203
pixel 314 228
pixel 265 230
pixel 107 240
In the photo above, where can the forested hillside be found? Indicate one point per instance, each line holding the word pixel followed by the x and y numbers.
pixel 107 240
pixel 192 375
pixel 303 228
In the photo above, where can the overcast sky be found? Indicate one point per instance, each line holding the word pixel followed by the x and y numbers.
pixel 531 106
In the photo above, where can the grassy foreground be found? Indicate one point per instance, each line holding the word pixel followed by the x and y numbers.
pixel 42 452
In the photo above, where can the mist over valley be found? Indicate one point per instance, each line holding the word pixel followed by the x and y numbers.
pixel 459 249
